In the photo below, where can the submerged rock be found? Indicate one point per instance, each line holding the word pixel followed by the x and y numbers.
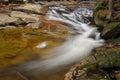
pixel 18 45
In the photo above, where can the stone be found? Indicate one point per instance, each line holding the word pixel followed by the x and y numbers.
pixel 5 19
pixel 24 16
pixel 100 19
pixel 32 7
pixel 35 25
pixel 111 31
pixel 10 26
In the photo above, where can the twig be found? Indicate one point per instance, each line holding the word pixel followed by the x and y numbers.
pixel 22 76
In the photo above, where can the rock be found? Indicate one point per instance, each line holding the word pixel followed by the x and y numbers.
pixel 7 27
pixel 5 19
pixel 118 76
pixel 18 18
pixel 100 17
pixel 112 30
pixel 27 11
pixel 24 16
pixel 32 7
pixel 35 25
pixel 1 28
pixel 91 68
pixel 30 20
pixel 101 13
pixel 10 26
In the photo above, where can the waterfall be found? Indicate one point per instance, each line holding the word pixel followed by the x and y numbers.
pixel 77 47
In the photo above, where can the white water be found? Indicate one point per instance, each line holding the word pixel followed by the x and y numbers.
pixel 77 47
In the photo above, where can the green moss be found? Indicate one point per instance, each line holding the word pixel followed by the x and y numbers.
pixel 100 8
pixel 108 57
pixel 102 16
pixel 116 6
pixel 112 25
pixel 92 72
pixel 114 41
pixel 99 18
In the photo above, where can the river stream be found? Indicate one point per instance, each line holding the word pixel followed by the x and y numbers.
pixel 54 51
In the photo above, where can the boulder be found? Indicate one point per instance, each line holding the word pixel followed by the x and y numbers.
pixel 6 19
pixel 101 13
pixel 18 18
pixel 24 16
pixel 35 25
pixel 111 31
pixel 100 17
pixel 31 20
pixel 104 62
pixel 32 7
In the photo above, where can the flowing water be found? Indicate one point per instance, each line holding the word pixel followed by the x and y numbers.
pixel 75 48
pixel 72 49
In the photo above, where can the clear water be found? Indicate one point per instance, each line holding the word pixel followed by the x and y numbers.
pixel 75 48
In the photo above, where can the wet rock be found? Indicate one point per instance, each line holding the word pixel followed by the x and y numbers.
pixel 100 18
pixel 118 76
pixel 111 31
pixel 101 13
pixel 103 59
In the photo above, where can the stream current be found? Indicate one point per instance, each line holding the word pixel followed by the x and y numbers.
pixel 75 48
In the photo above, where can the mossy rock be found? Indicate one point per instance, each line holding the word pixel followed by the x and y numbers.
pixel 111 31
pixel 116 6
pixel 100 13
pixel 100 17
pixel 103 58
pixel 99 8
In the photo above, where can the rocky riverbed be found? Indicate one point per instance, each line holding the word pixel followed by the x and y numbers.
pixel 26 35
